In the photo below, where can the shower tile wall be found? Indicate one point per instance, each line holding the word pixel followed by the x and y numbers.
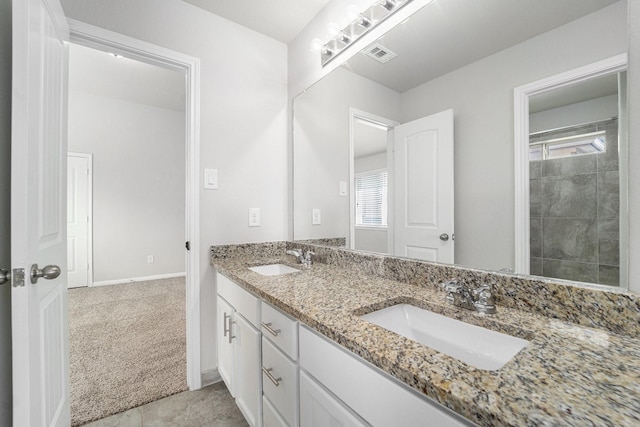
pixel 574 210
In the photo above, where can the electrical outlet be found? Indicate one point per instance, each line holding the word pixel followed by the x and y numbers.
pixel 316 217
pixel 150 259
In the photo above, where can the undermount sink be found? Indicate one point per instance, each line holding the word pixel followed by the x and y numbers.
pixel 474 345
pixel 273 269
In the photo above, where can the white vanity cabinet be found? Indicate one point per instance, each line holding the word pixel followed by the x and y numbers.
pixel 279 367
pixel 239 347
pixel 371 394
pixel 319 407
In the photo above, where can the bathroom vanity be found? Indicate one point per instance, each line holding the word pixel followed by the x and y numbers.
pixel 321 361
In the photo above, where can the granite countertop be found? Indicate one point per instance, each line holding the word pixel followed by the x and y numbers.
pixel 568 375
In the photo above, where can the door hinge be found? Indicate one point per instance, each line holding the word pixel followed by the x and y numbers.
pixel 188 245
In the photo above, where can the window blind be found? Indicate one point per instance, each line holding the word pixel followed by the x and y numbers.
pixel 371 199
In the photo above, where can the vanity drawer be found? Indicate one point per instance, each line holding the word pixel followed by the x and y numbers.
pixel 280 330
pixel 244 303
pixel 282 388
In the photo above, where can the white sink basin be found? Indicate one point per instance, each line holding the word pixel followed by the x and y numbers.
pixel 474 345
pixel 274 269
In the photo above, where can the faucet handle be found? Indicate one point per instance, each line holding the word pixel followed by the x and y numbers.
pixel 307 255
pixel 450 285
pixel 484 301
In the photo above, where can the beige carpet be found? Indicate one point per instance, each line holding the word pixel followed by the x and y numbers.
pixel 127 346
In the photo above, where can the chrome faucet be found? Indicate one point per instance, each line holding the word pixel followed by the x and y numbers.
pixel 460 295
pixel 303 258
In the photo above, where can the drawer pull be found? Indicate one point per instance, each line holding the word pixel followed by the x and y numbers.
pixel 269 329
pixel 226 316
pixel 228 330
pixel 274 380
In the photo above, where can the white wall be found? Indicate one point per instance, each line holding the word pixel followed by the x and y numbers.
pixel 138 183
pixel 5 213
pixel 481 96
pixel 243 121
pixel 593 110
pixel 321 132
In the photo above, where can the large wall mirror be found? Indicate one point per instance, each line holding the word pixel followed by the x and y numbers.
pixel 371 169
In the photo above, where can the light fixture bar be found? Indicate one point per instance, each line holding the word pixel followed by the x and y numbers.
pixel 361 25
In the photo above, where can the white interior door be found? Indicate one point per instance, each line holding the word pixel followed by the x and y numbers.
pixel 38 214
pixel 78 220
pixel 423 188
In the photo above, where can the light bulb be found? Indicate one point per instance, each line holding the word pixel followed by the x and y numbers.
pixel 316 45
pixel 352 12
pixel 332 30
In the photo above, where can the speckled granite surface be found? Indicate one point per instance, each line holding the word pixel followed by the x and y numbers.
pixel 568 375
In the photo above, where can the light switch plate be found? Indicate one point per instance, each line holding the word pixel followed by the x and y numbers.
pixel 343 188
pixel 254 217
pixel 316 220
pixel 211 179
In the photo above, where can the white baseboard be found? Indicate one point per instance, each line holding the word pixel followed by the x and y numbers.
pixel 210 377
pixel 138 279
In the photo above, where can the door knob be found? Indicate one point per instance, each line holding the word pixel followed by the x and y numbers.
pixel 444 237
pixel 5 276
pixel 48 272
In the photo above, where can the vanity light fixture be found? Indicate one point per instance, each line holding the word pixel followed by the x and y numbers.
pixel 387 4
pixel 361 23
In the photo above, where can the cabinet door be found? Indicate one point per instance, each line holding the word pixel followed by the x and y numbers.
pixel 248 377
pixel 319 408
pixel 225 347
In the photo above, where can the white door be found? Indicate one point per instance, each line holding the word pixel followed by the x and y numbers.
pixel 247 379
pixel 78 220
pixel 224 340
pixel 423 188
pixel 38 215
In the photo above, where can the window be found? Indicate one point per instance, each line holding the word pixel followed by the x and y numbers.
pixel 371 199
pixel 587 143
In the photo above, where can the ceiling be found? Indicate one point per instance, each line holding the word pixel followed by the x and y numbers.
pixel 279 19
pixel 448 34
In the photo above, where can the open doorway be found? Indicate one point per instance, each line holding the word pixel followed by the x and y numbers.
pixel 127 325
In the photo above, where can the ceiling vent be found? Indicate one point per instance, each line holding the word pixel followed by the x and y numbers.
pixel 380 53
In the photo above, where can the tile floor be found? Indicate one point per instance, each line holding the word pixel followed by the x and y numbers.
pixel 210 406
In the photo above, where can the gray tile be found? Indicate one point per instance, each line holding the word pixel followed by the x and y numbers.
pixel 535 169
pixel 609 275
pixel 609 228
pixel 535 237
pixel 609 160
pixel 535 200
pixel 212 405
pixel 130 418
pixel 535 266
pixel 576 165
pixel 570 239
pixel 609 252
pixel 608 195
pixel 569 196
pixel 570 270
